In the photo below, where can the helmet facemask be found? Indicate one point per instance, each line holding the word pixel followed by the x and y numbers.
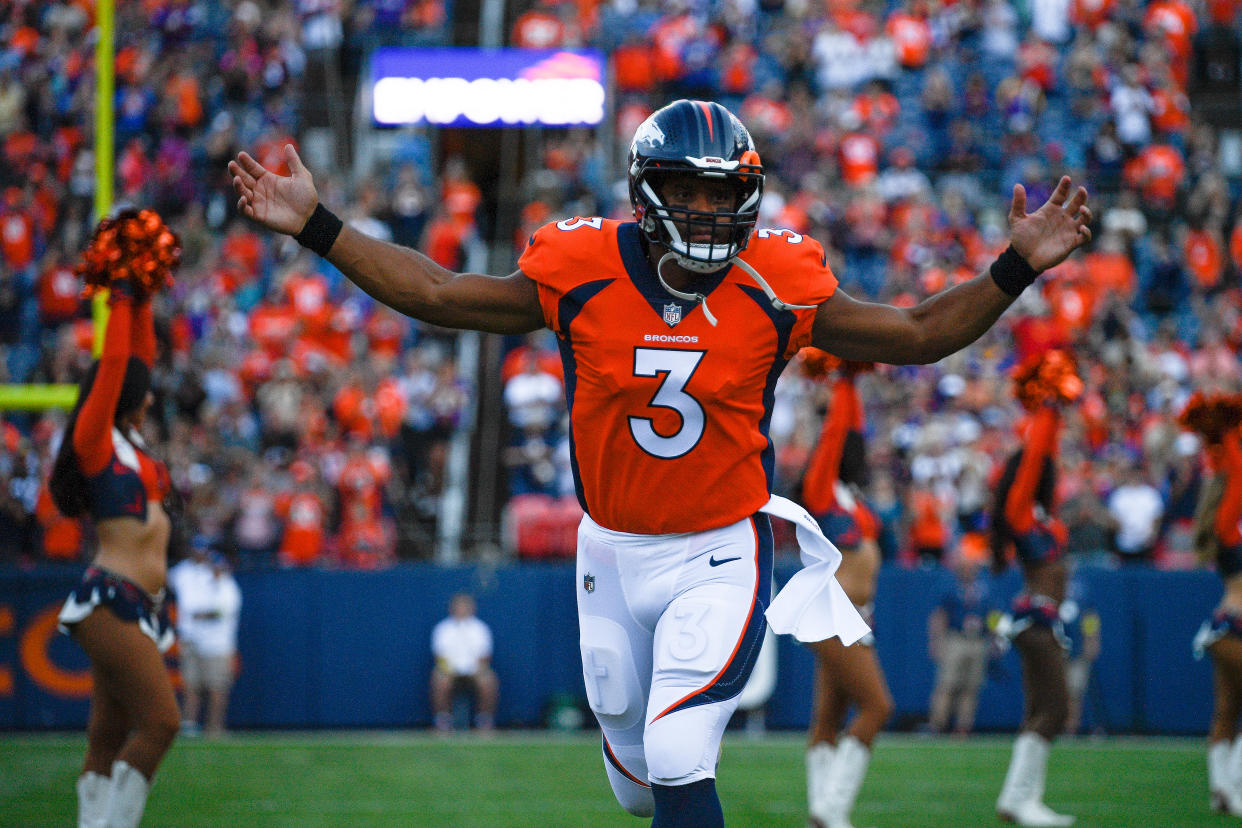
pixel 702 241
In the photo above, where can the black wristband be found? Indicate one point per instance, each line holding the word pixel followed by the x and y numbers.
pixel 1012 273
pixel 320 231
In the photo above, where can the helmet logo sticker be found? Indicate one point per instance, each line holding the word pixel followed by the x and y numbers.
pixel 649 133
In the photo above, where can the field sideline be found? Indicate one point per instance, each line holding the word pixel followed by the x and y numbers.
pixel 536 780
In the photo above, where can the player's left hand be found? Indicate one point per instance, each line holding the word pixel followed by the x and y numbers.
pixel 1045 237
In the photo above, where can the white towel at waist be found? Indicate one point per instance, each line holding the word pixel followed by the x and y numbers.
pixel 812 606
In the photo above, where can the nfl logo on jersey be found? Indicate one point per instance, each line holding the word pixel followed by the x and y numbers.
pixel 672 313
pixel 588 582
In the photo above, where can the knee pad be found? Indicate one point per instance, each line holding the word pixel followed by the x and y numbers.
pixel 613 688
pixel 627 774
pixel 683 747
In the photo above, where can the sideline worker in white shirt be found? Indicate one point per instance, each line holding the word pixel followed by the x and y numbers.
pixel 208 609
pixel 462 646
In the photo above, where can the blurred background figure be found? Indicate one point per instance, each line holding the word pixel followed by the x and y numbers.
pixel 462 646
pixel 1024 519
pixel 1218 540
pixel 958 642
pixel 845 676
pixel 208 610
pixel 1082 628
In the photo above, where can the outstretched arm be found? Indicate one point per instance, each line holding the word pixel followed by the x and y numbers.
pixel 952 319
pixel 92 431
pixel 1039 445
pixel 401 278
pixel 818 485
pixel 1230 512
pixel 142 334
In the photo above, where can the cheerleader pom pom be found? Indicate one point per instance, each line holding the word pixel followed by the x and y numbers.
pixel 1212 416
pixel 816 364
pixel 1050 378
pixel 135 245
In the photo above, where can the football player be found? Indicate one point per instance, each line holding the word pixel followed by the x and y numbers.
pixel 673 329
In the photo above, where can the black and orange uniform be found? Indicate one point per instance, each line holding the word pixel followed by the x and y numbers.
pixel 1029 526
pixel 122 477
pixel 845 524
pixel 845 677
pixel 1218 538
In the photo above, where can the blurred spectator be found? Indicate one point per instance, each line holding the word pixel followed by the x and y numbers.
pixel 462 647
pixel 1082 628
pixel 534 401
pixel 255 526
pixel 958 641
pixel 928 533
pixel 208 609
pixel 365 541
pixel 62 536
pixel 1136 508
pixel 303 509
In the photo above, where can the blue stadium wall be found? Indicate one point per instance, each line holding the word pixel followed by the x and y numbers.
pixel 351 649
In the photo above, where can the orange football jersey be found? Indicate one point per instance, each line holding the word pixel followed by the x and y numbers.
pixel 668 414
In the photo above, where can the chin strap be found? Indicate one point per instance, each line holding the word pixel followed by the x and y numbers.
pixel 689 297
pixel 777 302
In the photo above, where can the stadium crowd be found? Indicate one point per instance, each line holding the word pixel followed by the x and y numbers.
pixel 306 425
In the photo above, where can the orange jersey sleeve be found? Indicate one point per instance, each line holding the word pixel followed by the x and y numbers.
pixel 1040 443
pixel 92 432
pixel 668 413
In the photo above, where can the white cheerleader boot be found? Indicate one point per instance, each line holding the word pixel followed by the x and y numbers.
pixel 127 796
pixel 1225 777
pixel 1021 799
pixel 848 770
pixel 92 799
pixel 819 758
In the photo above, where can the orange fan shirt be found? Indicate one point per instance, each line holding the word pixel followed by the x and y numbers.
pixel 669 414
pixel 303 538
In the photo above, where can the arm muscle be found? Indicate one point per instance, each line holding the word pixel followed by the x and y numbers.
pixel 930 331
pixel 413 284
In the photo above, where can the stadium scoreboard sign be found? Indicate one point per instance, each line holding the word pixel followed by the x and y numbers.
pixel 487 87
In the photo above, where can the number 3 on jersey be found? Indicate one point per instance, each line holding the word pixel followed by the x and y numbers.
pixel 677 367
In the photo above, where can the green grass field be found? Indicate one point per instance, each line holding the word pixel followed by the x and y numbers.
pixel 515 780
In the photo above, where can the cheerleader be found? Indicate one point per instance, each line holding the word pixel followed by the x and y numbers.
pixel 1023 520
pixel 1218 539
pixel 836 763
pixel 104 471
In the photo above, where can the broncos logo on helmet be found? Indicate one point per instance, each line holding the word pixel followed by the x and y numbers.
pixel 703 139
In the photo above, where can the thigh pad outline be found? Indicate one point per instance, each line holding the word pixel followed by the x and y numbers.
pixel 608 670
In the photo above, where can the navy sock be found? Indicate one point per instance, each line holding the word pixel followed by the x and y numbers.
pixel 687 806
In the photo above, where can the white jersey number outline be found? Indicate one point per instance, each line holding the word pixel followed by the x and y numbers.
pixel 691 639
pixel 790 236
pixel 678 367
pixel 574 223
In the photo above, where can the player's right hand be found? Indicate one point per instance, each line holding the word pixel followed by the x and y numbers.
pixel 278 202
